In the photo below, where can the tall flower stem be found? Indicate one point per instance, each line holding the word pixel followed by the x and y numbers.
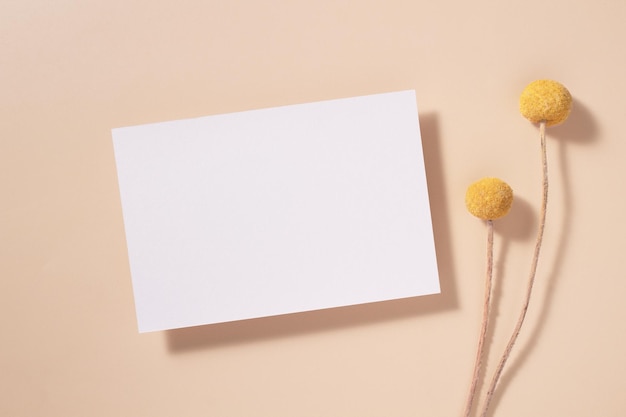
pixel 485 322
pixel 531 278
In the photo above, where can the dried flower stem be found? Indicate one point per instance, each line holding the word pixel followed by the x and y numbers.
pixel 531 279
pixel 485 321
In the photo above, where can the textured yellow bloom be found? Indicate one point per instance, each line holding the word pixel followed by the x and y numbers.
pixel 545 100
pixel 489 198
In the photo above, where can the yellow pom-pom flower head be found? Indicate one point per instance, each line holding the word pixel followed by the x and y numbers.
pixel 545 100
pixel 489 198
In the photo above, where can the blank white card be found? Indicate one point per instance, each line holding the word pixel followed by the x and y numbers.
pixel 276 211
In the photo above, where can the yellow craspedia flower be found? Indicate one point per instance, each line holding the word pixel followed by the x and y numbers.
pixel 545 100
pixel 489 198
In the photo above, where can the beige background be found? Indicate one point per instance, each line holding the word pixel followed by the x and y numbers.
pixel 71 70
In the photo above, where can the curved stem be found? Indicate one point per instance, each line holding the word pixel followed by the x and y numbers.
pixel 485 321
pixel 531 279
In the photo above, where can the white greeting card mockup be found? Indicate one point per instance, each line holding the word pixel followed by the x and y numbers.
pixel 276 211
